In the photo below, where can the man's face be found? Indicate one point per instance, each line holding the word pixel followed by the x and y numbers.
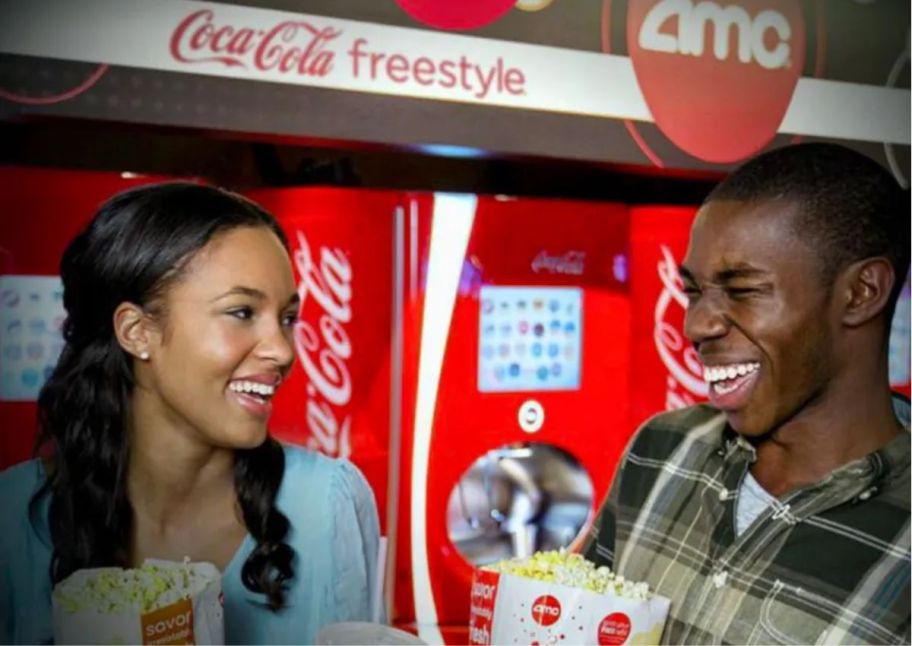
pixel 759 314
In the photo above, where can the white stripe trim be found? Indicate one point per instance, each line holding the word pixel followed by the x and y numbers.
pixel 453 216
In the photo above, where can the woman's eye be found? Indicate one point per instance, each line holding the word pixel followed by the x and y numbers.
pixel 243 313
pixel 290 319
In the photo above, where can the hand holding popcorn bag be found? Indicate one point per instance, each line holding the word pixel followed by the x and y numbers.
pixel 554 598
pixel 161 602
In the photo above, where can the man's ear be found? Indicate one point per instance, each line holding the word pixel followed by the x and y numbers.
pixel 133 329
pixel 866 288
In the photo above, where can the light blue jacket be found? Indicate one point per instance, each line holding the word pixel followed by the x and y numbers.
pixel 334 533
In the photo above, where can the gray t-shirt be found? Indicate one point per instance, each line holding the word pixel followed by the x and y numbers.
pixel 752 501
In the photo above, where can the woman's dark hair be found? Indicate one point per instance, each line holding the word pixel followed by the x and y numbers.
pixel 137 245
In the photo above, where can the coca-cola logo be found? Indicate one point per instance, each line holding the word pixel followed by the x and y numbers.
pixel 323 355
pixel 546 610
pixel 614 629
pixel 571 263
pixel 289 47
pixel 685 371
pixel 456 14
pixel 734 65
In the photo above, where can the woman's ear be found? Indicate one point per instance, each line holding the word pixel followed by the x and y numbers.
pixel 867 285
pixel 133 329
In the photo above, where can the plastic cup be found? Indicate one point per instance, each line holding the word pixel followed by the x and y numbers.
pixel 358 633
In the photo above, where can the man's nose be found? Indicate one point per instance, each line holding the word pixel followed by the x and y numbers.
pixel 705 319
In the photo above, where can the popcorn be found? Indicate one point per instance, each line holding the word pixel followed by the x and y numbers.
pixel 160 602
pixel 566 568
pixel 113 590
pixel 558 596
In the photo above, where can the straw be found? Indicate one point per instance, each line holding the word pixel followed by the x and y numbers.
pixel 379 579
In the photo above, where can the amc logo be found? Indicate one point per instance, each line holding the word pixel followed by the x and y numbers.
pixel 546 610
pixel 718 76
pixel 731 23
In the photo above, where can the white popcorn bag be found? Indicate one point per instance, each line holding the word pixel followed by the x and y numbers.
pixel 161 602
pixel 510 608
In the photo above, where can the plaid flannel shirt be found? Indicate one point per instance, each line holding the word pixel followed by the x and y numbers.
pixel 828 563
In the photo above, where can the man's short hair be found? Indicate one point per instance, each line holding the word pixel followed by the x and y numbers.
pixel 849 206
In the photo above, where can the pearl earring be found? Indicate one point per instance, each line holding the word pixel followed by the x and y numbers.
pixel 144 356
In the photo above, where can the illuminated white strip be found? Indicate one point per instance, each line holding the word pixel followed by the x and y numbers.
pixel 137 33
pixel 822 108
pixel 453 216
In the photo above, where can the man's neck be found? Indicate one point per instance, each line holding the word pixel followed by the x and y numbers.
pixel 825 436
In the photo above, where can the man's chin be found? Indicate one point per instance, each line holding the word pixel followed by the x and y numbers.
pixel 744 425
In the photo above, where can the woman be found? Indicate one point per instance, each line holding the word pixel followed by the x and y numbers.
pixel 180 304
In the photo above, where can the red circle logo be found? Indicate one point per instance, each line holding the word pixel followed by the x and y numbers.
pixel 546 610
pixel 735 64
pixel 456 14
pixel 614 629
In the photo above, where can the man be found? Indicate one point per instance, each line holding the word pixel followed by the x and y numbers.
pixel 779 512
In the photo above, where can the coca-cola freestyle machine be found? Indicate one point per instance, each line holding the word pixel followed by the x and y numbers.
pixel 518 411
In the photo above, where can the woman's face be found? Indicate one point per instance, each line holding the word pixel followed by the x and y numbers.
pixel 224 345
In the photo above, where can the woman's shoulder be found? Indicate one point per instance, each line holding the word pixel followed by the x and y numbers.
pixel 19 482
pixel 337 479
pixel 302 464
pixel 18 485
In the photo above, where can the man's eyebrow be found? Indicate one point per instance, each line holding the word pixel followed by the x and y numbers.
pixel 741 271
pixel 726 275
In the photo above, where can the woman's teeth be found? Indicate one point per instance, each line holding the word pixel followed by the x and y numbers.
pixel 714 375
pixel 264 390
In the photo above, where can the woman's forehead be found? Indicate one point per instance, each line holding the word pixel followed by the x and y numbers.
pixel 252 256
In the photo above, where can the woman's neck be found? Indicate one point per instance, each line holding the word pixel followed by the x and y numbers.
pixel 172 473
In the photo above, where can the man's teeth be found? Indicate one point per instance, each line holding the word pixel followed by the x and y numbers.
pixel 724 373
pixel 252 387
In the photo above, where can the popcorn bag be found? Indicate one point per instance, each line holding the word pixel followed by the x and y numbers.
pixel 161 602
pixel 557 598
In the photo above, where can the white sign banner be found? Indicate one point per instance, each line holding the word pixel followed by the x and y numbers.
pixel 248 43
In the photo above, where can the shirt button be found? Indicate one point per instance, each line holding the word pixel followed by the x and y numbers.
pixel 723 494
pixel 719 579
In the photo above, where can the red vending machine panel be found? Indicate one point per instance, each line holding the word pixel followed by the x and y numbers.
pixel 337 399
pixel 521 392
pixel 667 372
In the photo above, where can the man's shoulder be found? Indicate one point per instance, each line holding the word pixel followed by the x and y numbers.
pixel 695 428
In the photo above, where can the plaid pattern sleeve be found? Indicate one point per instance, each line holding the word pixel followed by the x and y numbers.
pixel 825 564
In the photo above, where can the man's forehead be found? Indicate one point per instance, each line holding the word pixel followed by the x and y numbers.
pixel 734 239
pixel 724 269
pixel 768 211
